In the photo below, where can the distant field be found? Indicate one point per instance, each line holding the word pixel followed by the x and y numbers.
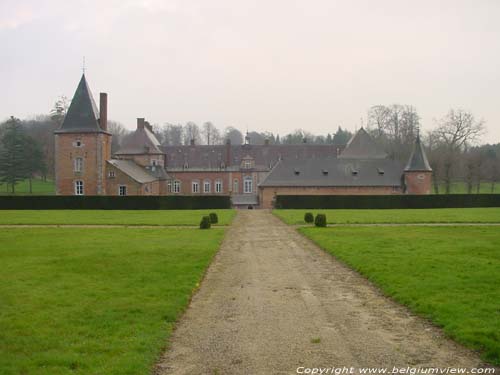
pixel 39 187
pixel 437 215
pixel 103 217
pixel 95 301
pixel 449 275
pixel 461 188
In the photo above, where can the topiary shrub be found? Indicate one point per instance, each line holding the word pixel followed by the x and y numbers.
pixel 214 219
pixel 205 222
pixel 320 220
pixel 308 217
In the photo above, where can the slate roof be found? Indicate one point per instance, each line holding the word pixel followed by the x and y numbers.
pixel 82 115
pixel 203 157
pixel 141 141
pixel 335 172
pixel 362 146
pixel 418 160
pixel 135 171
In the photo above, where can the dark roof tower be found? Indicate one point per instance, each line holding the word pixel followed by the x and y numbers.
pixel 362 146
pixel 418 160
pixel 82 115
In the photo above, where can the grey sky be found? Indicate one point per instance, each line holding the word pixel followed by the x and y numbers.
pixel 273 65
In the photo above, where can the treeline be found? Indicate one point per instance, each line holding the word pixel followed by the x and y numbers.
pixel 452 146
pixel 27 146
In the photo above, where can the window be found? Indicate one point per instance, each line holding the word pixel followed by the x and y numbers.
pixel 153 162
pixel 236 187
pixel 247 164
pixel 146 188
pixel 78 165
pixel 206 186
pixel 218 186
pixel 169 186
pixel 122 190
pixel 177 186
pixel 195 187
pixel 78 143
pixel 79 187
pixel 248 185
pixel 111 174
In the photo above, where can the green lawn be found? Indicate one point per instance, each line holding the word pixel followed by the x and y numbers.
pixel 447 274
pixel 461 188
pixel 39 187
pixel 431 215
pixel 95 301
pixel 125 217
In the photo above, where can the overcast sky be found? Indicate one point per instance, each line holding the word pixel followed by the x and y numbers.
pixel 274 65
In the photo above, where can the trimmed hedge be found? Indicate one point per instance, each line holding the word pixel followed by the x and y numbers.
pixel 387 201
pixel 214 219
pixel 308 217
pixel 320 220
pixel 205 222
pixel 102 202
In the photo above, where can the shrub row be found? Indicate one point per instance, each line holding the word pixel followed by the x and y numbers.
pixel 387 201
pixel 94 202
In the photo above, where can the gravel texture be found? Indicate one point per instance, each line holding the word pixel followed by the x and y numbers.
pixel 272 301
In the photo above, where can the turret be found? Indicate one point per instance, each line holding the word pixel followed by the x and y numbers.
pixel 418 173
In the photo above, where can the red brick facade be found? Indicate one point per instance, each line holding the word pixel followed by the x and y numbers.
pixel 418 182
pixel 81 157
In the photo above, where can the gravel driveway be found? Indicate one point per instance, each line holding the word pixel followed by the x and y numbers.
pixel 272 302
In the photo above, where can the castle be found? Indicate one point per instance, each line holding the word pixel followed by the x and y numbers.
pixel 252 175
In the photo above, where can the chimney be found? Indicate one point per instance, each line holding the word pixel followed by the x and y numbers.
pixel 103 109
pixel 191 142
pixel 266 141
pixel 140 123
pixel 228 152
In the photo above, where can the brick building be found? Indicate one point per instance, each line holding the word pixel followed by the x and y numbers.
pixel 251 174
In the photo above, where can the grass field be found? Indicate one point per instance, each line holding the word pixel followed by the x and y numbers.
pixel 103 217
pixel 95 301
pixel 461 188
pixel 438 215
pixel 39 187
pixel 447 274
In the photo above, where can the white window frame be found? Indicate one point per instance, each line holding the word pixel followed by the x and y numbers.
pixel 78 165
pixel 207 183
pixel 79 187
pixel 236 186
pixel 176 187
pixel 247 182
pixel 218 186
pixel 111 174
pixel 169 186
pixel 120 187
pixel 195 186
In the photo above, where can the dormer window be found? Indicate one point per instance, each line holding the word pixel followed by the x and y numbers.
pixel 247 163
pixel 296 172
pixel 354 172
pixel 325 172
pixel 111 174
pixel 380 171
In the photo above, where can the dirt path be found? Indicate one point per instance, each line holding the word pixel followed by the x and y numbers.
pixel 270 293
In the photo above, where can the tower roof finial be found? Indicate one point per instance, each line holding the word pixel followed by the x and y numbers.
pixel 83 65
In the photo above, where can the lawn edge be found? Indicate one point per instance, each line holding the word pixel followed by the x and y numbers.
pixel 448 335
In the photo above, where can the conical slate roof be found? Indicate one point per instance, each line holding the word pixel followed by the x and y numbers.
pixel 82 115
pixel 418 159
pixel 362 146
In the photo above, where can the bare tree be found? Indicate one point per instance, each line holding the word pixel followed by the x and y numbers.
pixel 457 130
pixel 191 133
pixel 211 133
pixel 171 135
pixel 119 133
